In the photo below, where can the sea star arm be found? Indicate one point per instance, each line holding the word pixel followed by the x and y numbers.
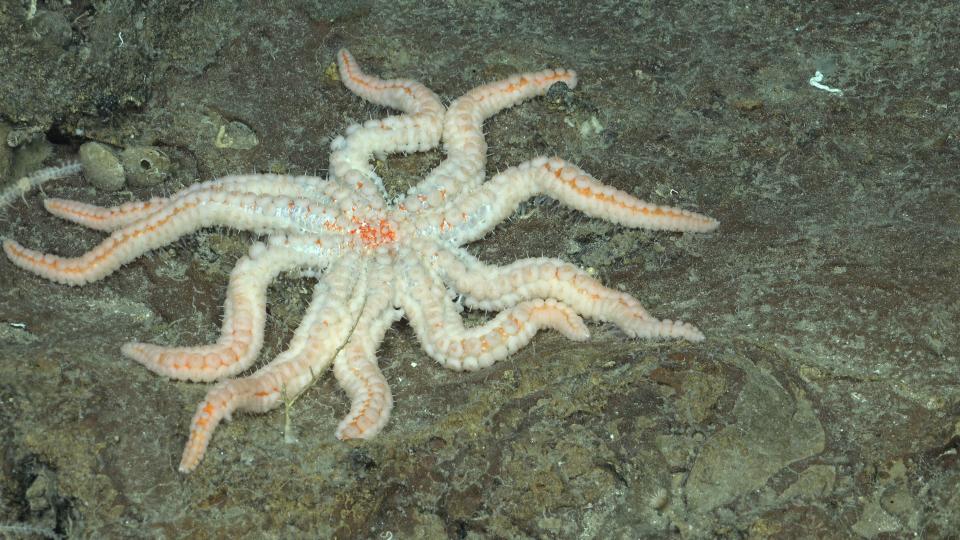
pixel 491 288
pixel 194 211
pixel 112 218
pixel 356 367
pixel 337 302
pixel 477 212
pixel 417 130
pixel 463 138
pixel 244 314
pixel 440 329
pixel 100 218
pixel 409 96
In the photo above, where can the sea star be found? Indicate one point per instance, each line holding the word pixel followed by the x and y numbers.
pixel 380 260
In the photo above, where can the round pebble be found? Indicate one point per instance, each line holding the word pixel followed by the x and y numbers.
pixel 145 165
pixel 101 167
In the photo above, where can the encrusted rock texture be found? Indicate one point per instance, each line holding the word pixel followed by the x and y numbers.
pixel 825 401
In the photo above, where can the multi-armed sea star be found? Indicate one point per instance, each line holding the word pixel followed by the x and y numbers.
pixel 380 260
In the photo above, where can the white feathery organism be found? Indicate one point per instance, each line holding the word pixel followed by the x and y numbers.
pixel 23 185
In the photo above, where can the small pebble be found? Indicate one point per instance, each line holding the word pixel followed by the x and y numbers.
pixel 236 135
pixel 101 167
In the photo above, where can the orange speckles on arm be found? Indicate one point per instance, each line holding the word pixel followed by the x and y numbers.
pixel 260 394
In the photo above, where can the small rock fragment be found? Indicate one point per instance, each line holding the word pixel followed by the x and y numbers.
pixel 236 135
